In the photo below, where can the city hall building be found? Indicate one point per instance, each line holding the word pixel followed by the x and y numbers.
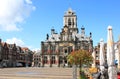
pixel 56 47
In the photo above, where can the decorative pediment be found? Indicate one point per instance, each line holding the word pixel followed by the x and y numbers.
pixel 66 44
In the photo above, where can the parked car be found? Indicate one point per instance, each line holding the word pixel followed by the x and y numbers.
pixel 19 65
pixel 4 65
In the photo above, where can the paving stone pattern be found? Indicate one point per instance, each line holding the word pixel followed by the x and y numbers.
pixel 36 73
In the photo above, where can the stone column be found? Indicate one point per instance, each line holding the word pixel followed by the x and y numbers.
pixel 119 54
pixel 73 47
pixel 94 59
pixel 63 62
pixel 112 72
pixel 57 56
pixel 57 60
pixel 49 55
pixel 75 22
pixel 43 53
pixel 49 60
pixel 42 61
pixel 74 72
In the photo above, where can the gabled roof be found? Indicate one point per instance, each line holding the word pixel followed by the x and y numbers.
pixel 10 45
pixel 2 43
pixel 24 48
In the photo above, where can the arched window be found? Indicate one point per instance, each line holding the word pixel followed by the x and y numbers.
pixel 52 49
pixel 45 59
pixel 60 59
pixel 53 59
pixel 69 21
pixel 73 22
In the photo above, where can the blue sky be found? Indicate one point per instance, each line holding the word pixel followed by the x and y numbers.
pixel 28 23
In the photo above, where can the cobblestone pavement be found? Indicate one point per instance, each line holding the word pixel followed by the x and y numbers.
pixel 36 73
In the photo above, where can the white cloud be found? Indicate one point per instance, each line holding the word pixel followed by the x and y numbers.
pixel 19 42
pixel 14 12
pixel 16 41
pixel 36 49
pixel 29 1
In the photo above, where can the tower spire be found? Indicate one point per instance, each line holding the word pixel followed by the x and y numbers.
pixel 69 4
pixel 70 20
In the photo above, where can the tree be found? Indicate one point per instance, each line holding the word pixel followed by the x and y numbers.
pixel 80 57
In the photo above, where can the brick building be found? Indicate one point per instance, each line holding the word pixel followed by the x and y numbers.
pixel 12 55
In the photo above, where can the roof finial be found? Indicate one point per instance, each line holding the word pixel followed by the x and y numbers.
pixel 69 4
pixel 82 28
pixel 70 10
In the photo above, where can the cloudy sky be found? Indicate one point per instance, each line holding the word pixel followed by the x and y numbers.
pixel 26 22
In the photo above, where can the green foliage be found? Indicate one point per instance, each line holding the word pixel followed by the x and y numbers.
pixel 82 77
pixel 80 57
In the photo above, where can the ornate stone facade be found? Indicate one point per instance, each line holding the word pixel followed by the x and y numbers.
pixel 36 59
pixel 56 47
pixel 97 53
pixel 116 51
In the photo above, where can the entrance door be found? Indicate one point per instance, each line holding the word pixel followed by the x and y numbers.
pixel 65 56
pixel 65 61
pixel 66 51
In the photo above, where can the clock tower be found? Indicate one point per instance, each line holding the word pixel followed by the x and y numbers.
pixel 58 46
pixel 70 20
